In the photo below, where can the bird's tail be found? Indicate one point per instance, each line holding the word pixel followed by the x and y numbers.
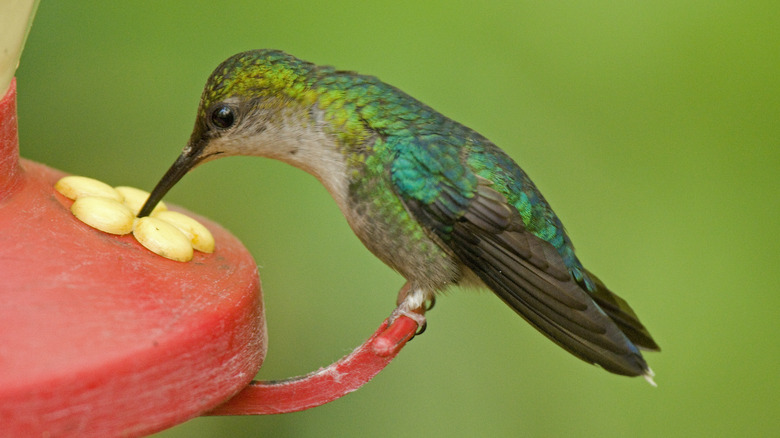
pixel 622 314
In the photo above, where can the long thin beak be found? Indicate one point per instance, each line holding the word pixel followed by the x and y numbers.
pixel 186 161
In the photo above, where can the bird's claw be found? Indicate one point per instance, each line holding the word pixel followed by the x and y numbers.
pixel 402 326
pixel 426 307
pixel 413 304
pixel 430 303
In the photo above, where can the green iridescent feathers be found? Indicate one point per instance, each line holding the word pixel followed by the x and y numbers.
pixel 259 73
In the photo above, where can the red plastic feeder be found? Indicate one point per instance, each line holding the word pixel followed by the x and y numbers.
pixel 100 337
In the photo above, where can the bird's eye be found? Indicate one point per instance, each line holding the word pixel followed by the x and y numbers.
pixel 223 117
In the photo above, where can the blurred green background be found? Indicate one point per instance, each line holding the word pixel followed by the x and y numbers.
pixel 652 128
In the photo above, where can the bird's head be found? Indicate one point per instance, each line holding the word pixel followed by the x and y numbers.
pixel 254 103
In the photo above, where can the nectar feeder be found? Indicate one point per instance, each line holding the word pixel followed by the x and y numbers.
pixel 100 337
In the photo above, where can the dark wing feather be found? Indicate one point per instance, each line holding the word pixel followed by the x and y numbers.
pixel 529 275
pixel 487 234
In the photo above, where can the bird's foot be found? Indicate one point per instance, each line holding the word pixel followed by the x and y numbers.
pixel 402 326
pixel 413 303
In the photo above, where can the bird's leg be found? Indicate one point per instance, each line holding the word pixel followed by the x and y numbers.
pixel 412 302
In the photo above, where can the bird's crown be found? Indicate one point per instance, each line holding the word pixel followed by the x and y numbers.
pixel 259 73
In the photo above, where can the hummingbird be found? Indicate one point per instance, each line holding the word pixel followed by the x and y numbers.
pixel 433 199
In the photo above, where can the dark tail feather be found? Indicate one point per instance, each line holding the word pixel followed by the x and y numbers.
pixel 620 312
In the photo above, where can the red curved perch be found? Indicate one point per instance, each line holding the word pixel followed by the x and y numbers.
pixel 326 384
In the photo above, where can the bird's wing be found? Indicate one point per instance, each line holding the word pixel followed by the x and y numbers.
pixel 487 233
